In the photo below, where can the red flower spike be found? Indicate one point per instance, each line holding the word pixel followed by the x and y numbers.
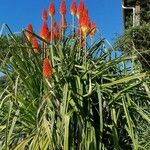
pixel 56 35
pixel 92 29
pixel 35 44
pixel 52 31
pixel 54 23
pixel 73 8
pixel 79 32
pixel 63 8
pixel 44 15
pixel 47 68
pixel 85 24
pixel 80 9
pixel 63 22
pixel 44 32
pixel 55 31
pixel 30 29
pixel 51 9
pixel 85 12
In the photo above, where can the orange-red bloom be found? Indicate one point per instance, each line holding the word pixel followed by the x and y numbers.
pixel 85 11
pixel 63 8
pixel 51 9
pixel 47 68
pixel 53 23
pixel 55 30
pixel 73 8
pixel 28 34
pixel 80 9
pixel 92 29
pixel 85 24
pixel 44 15
pixel 44 32
pixel 35 44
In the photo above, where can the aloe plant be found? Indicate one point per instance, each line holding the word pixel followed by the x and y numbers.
pixel 89 101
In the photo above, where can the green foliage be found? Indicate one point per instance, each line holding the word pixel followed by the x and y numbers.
pixel 90 103
pixel 136 42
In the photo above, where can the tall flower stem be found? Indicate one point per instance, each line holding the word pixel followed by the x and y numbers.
pixel 44 50
pixel 73 26
pixel 80 42
pixel 62 28
pixel 85 48
pixel 51 50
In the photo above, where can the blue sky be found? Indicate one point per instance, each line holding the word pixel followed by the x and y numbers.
pixel 18 13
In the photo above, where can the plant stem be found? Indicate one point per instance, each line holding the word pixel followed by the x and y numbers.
pixel 85 49
pixel 62 27
pixel 51 50
pixel 73 24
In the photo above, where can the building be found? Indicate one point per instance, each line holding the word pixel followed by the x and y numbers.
pixel 133 10
pixel 136 13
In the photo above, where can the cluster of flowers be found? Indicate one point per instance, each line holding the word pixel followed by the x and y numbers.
pixel 56 33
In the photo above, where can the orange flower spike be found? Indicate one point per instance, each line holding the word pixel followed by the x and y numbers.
pixel 54 23
pixel 56 34
pixel 30 29
pixel 73 8
pixel 44 15
pixel 85 12
pixel 92 29
pixel 80 9
pixel 44 32
pixel 85 24
pixel 35 45
pixel 51 9
pixel 47 68
pixel 56 31
pixel 63 8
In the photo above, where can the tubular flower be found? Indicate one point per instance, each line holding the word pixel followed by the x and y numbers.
pixel 80 9
pixel 79 32
pixel 85 11
pixel 73 8
pixel 85 24
pixel 63 7
pixel 35 44
pixel 55 31
pixel 44 15
pixel 92 29
pixel 56 35
pixel 29 34
pixel 63 23
pixel 44 32
pixel 47 68
pixel 54 23
pixel 51 9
